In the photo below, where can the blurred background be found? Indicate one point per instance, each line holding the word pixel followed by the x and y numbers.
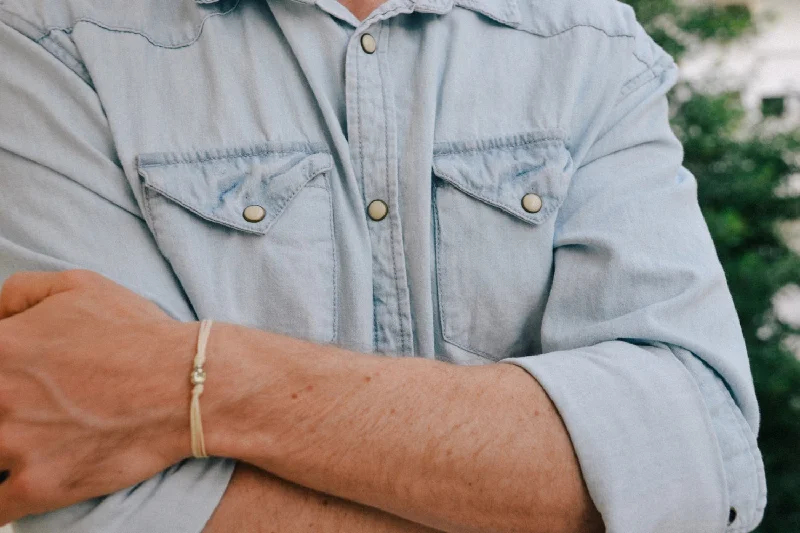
pixel 737 112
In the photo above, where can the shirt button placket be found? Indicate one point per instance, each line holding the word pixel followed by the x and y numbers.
pixel 372 136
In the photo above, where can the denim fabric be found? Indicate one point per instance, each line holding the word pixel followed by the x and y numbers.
pixel 134 134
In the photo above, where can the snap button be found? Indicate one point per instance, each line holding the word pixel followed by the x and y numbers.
pixel 731 515
pixel 532 203
pixel 368 43
pixel 377 210
pixel 254 213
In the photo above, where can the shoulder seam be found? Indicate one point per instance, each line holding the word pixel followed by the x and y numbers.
pixel 45 32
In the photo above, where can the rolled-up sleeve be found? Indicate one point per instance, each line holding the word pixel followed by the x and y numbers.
pixel 65 203
pixel 643 354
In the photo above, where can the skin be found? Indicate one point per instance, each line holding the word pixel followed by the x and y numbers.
pixel 327 440
pixel 361 8
pixel 456 449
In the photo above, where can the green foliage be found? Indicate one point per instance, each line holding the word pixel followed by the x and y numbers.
pixel 670 23
pixel 738 172
pixel 713 22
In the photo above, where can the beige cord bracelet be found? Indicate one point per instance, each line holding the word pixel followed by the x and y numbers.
pixel 198 378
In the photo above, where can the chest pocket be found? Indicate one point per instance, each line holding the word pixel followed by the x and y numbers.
pixel 495 203
pixel 249 234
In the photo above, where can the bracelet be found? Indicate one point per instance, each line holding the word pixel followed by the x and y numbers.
pixel 198 379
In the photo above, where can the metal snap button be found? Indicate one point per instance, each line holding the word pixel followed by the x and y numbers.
pixel 368 43
pixel 532 203
pixel 254 213
pixel 377 210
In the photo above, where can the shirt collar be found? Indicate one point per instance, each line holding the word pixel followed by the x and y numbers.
pixel 503 11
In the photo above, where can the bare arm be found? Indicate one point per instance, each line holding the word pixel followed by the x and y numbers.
pixel 258 502
pixel 455 448
pixel 458 449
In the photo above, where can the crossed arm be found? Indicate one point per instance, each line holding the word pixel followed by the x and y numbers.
pixel 457 449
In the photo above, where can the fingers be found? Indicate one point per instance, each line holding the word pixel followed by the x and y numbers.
pixel 23 290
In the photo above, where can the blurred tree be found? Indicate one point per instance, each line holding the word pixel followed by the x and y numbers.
pixel 740 171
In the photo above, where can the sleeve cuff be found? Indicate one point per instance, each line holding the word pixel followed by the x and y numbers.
pixel 741 458
pixel 641 433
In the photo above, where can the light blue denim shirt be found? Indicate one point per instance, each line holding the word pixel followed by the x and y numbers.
pixel 538 214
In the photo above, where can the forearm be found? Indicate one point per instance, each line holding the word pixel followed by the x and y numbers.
pixel 454 448
pixel 257 502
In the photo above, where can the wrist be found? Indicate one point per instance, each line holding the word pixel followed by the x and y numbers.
pixel 233 378
pixel 246 370
pixel 180 343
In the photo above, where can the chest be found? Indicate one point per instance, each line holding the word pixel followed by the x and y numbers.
pixel 392 187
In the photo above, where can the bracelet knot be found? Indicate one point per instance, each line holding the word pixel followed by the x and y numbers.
pixel 198 379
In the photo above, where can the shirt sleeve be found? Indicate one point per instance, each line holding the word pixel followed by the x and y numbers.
pixel 643 354
pixel 65 203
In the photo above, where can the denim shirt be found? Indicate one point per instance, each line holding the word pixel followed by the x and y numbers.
pixel 474 181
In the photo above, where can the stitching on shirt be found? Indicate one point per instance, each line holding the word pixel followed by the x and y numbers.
pixel 55 49
pixel 388 14
pixel 441 276
pixel 437 245
pixel 193 158
pixel 561 32
pixel 206 159
pixel 475 6
pixel 66 58
pixel 256 229
pixel 624 94
pixel 151 40
pixel 364 188
pixel 652 72
pixel 535 219
pixel 642 61
pixel 261 228
pixel 443 151
pixel 335 332
pixel 396 214
pixel 520 139
pixel 637 81
pixel 728 401
pixel 149 213
pixel 737 415
pixel 602 30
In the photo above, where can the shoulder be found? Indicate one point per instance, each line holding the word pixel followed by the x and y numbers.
pixel 609 21
pixel 549 18
pixel 167 23
pixel 609 18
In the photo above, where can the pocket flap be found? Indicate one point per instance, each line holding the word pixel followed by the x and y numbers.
pixel 501 172
pixel 218 186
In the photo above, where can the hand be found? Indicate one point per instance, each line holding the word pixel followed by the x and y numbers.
pixel 94 390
